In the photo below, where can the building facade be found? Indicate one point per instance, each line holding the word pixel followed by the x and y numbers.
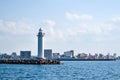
pixel 56 55
pixel 48 53
pixel 82 56
pixel 25 54
pixel 68 54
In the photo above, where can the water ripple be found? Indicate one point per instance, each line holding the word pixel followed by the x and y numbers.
pixel 76 70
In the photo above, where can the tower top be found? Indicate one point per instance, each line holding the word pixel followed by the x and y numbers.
pixel 40 33
pixel 40 30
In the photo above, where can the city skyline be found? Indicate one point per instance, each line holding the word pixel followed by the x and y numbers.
pixel 83 26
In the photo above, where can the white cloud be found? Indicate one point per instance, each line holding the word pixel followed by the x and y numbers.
pixel 94 28
pixel 60 35
pixel 73 16
pixel 72 32
pixel 54 34
pixel 82 33
pixel 49 27
pixel 16 28
pixel 10 24
pixel 116 19
pixel 49 23
pixel 87 29
pixel 51 30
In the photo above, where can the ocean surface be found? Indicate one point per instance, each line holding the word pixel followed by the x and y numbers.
pixel 69 70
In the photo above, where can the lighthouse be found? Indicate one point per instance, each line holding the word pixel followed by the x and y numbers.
pixel 40 44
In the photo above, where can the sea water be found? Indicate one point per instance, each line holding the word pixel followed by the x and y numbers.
pixel 68 70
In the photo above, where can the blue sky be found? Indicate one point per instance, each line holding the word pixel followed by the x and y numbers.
pixel 90 26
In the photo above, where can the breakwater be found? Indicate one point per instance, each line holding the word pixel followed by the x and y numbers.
pixel 40 61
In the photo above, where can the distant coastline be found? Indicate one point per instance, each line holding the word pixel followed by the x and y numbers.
pixel 86 59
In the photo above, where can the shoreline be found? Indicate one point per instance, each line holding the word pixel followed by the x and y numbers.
pixel 86 59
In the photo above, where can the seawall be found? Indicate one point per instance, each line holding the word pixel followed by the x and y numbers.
pixel 41 61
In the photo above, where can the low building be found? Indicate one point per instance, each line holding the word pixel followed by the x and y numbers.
pixel 56 55
pixel 25 54
pixel 114 55
pixel 69 53
pixel 48 54
pixel 101 56
pixel 108 56
pixel 14 56
pixel 96 56
pixel 4 56
pixel 82 56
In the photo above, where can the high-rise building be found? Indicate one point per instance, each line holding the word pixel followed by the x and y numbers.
pixel 40 44
pixel 25 54
pixel 48 53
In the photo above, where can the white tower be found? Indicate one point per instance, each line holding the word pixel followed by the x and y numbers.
pixel 40 44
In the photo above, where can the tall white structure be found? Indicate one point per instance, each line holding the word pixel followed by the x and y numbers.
pixel 40 44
